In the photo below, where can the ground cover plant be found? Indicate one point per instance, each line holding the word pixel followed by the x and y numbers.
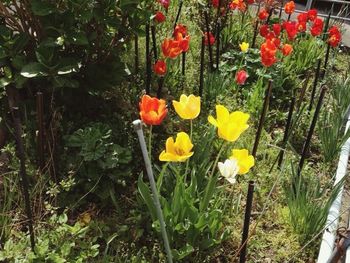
pixel 241 105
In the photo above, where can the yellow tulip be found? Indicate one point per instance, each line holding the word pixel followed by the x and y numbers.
pixel 230 125
pixel 188 107
pixel 244 160
pixel 178 151
pixel 244 47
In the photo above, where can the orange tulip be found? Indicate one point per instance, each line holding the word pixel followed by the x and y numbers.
pixel 152 110
pixel 289 7
pixel 180 29
pixel 171 48
pixel 268 53
pixel 287 49
pixel 184 42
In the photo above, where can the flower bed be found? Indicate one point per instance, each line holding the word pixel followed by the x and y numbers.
pixel 241 112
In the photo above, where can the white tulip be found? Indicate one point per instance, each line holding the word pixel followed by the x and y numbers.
pixel 229 170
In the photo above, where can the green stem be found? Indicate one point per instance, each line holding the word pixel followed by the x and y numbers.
pixel 217 158
pixel 188 160
pixel 208 192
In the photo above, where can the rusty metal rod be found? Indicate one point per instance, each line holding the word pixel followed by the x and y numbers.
pixel 262 118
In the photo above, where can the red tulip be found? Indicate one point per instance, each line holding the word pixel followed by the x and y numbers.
pixel 180 29
pixel 268 53
pixel 334 36
pixel 276 29
pixel 317 27
pixel 165 3
pixel 160 67
pixel 159 17
pixel 263 14
pixel 241 77
pixel 301 26
pixel 264 30
pixel 291 29
pixel 215 3
pixel 302 18
pixel 312 14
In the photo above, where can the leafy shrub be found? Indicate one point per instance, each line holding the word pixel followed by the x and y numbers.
pixel 102 163
pixel 60 242
pixel 63 38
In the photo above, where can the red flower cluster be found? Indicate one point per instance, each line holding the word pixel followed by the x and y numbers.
pixel 271 34
pixel 180 43
pixel 272 44
pixel 334 36
pixel 316 23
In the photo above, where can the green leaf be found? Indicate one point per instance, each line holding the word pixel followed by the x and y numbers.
pixel 63 82
pixel 42 8
pixel 79 38
pixel 44 55
pixel 146 196
pixel 182 252
pixel 4 82
pixel 3 53
pixel 67 66
pixel 125 4
pixel 33 70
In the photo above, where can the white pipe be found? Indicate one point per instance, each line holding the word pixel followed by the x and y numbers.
pixel 138 128
pixel 329 235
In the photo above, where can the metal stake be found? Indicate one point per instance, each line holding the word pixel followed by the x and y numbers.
pixel 201 74
pixel 262 118
pixel 286 133
pixel 138 128
pixel 208 38
pixel 311 130
pixel 148 61
pixel 248 211
pixel 23 173
pixel 40 119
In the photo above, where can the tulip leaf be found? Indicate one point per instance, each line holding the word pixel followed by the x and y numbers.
pixel 146 196
pixel 183 252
